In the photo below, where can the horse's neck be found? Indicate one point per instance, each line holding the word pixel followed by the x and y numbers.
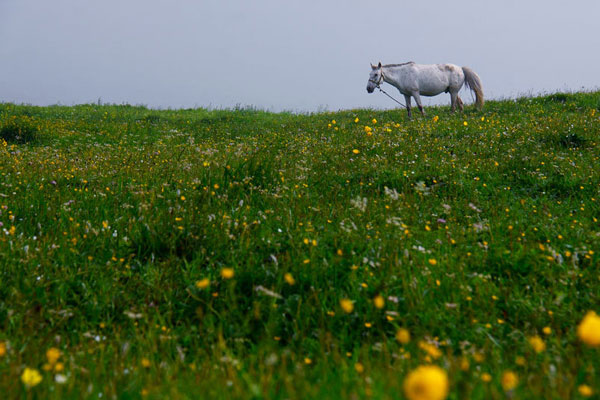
pixel 392 75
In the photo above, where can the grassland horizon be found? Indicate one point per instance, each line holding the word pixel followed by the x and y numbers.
pixel 441 101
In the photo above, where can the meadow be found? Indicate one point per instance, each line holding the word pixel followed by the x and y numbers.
pixel 188 254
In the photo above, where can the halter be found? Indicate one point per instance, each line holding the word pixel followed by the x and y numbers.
pixel 379 81
pixel 377 85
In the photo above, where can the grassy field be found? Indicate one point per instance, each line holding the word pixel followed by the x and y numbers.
pixel 191 254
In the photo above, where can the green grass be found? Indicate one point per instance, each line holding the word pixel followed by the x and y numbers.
pixel 478 230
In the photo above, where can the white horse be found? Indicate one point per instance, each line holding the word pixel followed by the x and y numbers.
pixel 428 80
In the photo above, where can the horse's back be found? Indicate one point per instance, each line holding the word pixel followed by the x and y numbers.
pixel 437 78
pixel 450 70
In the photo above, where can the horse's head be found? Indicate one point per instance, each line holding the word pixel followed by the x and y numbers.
pixel 375 78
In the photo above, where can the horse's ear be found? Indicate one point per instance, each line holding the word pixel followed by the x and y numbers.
pixel 379 66
pixel 374 67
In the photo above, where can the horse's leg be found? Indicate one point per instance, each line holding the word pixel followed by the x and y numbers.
pixel 417 97
pixel 407 101
pixel 453 100
pixel 460 103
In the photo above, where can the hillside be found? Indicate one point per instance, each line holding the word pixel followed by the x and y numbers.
pixel 246 254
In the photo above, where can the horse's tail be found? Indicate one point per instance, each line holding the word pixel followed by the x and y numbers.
pixel 473 82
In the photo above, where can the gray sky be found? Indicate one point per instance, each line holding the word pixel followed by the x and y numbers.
pixel 299 55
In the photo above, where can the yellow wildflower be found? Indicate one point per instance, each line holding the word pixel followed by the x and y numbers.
pixel 203 283
pixel 589 329
pixel 509 381
pixel 145 363
pixel 520 361
pixel 585 390
pixel 403 335
pixel 347 305
pixel 537 343
pixel 430 349
pixel 486 377
pixel 2 349
pixel 427 382
pixel 12 230
pixel 289 279
pixel 547 330
pixel 31 377
pixel 379 302
pixel 52 355
pixel 359 368
pixel 356 151
pixel 227 273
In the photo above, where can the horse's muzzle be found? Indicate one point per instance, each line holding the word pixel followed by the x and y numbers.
pixel 370 89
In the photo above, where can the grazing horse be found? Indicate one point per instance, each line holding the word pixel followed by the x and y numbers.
pixel 428 80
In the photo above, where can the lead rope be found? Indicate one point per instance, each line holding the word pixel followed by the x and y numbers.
pixel 384 92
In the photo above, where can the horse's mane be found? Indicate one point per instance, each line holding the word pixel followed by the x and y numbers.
pixel 399 65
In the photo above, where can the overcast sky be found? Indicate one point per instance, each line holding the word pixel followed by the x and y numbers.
pixel 298 55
